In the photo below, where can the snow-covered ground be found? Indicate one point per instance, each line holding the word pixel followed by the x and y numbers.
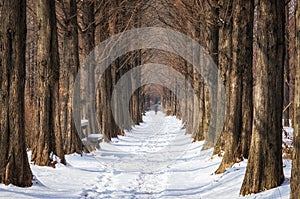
pixel 154 160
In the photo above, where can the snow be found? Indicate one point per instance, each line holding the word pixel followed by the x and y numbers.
pixel 153 160
pixel 287 136
pixel 287 142
pixel 96 136
pixel 84 123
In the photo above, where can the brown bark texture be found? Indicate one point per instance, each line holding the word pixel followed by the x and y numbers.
pixel 14 166
pixel 264 169
pixel 295 178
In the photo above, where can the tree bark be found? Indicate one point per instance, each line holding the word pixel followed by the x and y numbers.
pixel 245 58
pixel 14 166
pixel 208 36
pixel 229 75
pixel 68 72
pixel 295 179
pixel 264 169
pixel 286 88
pixel 48 139
pixel 239 116
pixel 233 84
pixel 30 82
pixel 86 21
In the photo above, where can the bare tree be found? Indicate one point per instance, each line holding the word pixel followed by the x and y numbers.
pixel 47 138
pixel 295 179
pixel 14 166
pixel 236 62
pixel 86 22
pixel 30 82
pixel 264 169
pixel 68 71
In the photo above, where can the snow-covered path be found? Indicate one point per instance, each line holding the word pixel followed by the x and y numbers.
pixel 157 160
pixel 139 164
pixel 154 160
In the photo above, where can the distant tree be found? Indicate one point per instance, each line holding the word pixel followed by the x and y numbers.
pixel 47 139
pixel 295 179
pixel 117 16
pixel 264 169
pixel 188 17
pixel 14 166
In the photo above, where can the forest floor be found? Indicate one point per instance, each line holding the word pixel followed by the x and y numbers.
pixel 153 160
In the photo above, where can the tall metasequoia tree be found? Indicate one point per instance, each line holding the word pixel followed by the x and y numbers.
pixel 210 34
pixel 86 22
pixel 102 32
pixel 286 87
pixel 244 34
pixel 105 86
pixel 264 169
pixel 188 17
pixel 295 179
pixel 47 138
pixel 232 80
pixel 136 102
pixel 291 35
pixel 68 71
pixel 30 82
pixel 118 17
pixel 237 64
pixel 14 166
pixel 115 23
pixel 204 29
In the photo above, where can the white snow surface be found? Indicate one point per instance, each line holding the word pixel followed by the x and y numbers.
pixel 153 160
pixel 84 122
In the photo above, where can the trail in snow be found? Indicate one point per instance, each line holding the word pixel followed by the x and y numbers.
pixel 157 160
pixel 153 160
pixel 137 163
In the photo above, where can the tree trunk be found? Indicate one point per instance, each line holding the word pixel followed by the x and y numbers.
pixel 245 58
pixel 69 69
pixel 295 179
pixel 210 33
pixel 207 35
pixel 230 62
pixel 48 139
pixel 14 166
pixel 286 88
pixel 230 76
pixel 102 33
pixel 109 127
pixel 86 20
pixel 236 126
pixel 264 169
pixel 30 82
